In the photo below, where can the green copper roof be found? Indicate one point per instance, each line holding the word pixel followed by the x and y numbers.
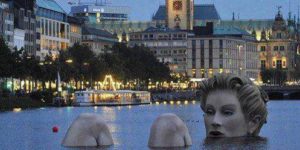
pixel 49 4
pixel 229 31
pixel 248 24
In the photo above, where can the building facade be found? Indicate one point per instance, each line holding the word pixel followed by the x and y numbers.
pixel 54 28
pixel 168 46
pixel 25 19
pixel 19 38
pixel 201 13
pixel 180 14
pixel 278 49
pixel 97 13
pixel 75 30
pixel 222 50
pixel 98 40
pixel 7 24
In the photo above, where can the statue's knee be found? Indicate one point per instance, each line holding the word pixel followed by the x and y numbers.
pixel 168 130
pixel 88 130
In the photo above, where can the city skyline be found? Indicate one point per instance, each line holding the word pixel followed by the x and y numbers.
pixel 264 9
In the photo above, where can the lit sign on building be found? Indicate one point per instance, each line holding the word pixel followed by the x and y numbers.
pixel 98 10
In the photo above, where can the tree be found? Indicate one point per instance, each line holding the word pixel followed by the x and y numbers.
pixel 296 73
pixel 5 59
pixel 85 61
pixel 275 76
pixel 136 63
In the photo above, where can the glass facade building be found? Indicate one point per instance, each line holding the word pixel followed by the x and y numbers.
pixel 54 28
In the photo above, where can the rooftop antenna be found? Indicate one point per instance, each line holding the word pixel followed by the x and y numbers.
pixel 290 13
pixel 298 15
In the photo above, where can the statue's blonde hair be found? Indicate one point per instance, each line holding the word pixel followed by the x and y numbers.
pixel 251 97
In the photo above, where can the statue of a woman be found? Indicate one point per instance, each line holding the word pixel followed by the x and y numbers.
pixel 233 106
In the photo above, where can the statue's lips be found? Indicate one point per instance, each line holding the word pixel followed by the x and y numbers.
pixel 216 134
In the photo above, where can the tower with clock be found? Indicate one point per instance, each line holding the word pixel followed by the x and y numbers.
pixel 180 14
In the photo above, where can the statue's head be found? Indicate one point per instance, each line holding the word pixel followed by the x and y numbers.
pixel 233 106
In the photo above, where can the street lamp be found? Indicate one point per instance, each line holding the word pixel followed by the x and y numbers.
pixel 69 61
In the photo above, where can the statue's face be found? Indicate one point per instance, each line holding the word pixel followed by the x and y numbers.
pixel 223 115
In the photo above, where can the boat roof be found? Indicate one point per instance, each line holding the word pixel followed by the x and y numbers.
pixel 105 91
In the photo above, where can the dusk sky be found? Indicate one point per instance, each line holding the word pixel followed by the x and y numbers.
pixel 247 9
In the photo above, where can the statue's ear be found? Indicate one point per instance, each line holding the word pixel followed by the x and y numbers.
pixel 253 124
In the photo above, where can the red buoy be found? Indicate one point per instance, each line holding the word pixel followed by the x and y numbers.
pixel 55 129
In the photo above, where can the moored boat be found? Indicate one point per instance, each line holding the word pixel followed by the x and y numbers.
pixel 111 98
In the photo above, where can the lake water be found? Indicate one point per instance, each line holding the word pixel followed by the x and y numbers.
pixel 130 127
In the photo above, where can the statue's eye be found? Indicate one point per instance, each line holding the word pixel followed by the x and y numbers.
pixel 228 112
pixel 209 111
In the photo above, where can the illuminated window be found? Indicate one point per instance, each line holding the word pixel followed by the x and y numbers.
pixel 263 48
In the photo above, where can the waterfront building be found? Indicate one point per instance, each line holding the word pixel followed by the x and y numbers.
pixel 25 19
pixel 7 23
pixel 221 50
pixel 100 12
pixel 75 30
pixel 54 28
pixel 202 13
pixel 278 48
pixel 98 40
pixel 168 46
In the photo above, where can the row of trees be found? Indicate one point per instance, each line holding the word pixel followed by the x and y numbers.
pixel 123 63
pixel 79 63
pixel 280 76
pixel 274 76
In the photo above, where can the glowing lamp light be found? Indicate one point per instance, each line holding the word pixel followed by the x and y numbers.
pixel 186 102
pixel 17 109
pixel 9 84
pixel 69 61
pixel 157 103
pixel 171 102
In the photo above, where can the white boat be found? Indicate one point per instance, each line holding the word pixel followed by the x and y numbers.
pixel 111 98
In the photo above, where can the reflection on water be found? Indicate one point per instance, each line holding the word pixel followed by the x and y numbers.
pixel 130 127
pixel 256 143
pixel 177 148
pixel 90 148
